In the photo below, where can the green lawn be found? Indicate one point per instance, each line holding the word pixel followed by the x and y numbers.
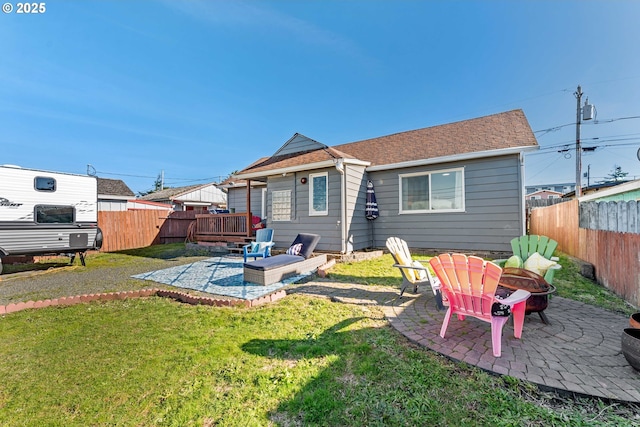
pixel 568 281
pixel 300 361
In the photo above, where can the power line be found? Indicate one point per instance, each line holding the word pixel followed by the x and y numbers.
pixel 172 180
pixel 595 122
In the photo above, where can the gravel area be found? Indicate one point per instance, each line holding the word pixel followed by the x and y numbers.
pixel 77 280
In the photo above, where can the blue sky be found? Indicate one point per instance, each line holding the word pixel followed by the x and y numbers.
pixel 199 89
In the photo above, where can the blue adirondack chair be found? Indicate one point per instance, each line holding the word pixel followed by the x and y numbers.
pixel 261 247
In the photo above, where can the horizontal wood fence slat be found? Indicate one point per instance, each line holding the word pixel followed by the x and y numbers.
pixel 615 255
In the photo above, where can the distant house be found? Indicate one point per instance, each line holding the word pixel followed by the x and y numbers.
pixel 562 188
pixel 140 205
pixel 543 195
pixel 194 197
pixel 113 195
pixel 623 192
pixel 456 186
pixel 603 188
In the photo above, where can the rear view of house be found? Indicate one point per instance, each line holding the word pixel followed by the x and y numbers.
pixel 45 212
pixel 458 186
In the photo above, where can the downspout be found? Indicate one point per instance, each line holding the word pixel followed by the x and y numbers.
pixel 343 207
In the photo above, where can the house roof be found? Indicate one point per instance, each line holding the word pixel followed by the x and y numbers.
pixel 495 132
pixel 170 193
pixel 113 187
pixel 485 136
pixel 535 193
pixel 297 159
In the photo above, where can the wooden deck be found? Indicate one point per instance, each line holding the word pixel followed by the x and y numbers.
pixel 230 228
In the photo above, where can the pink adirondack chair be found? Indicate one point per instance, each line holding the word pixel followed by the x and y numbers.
pixel 470 284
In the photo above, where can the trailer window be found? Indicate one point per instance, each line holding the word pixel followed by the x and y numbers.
pixel 44 183
pixel 54 214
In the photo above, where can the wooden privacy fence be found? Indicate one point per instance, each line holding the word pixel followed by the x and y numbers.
pixel 130 229
pixel 140 228
pixel 619 216
pixel 615 255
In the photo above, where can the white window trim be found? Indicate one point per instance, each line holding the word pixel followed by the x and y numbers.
pixel 430 211
pixel 312 211
pixel 274 217
pixel 263 204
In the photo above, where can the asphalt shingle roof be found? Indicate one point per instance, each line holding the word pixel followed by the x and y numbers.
pixel 495 132
pixel 168 193
pixel 113 187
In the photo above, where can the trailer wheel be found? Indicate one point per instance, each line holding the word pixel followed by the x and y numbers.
pixel 0 265
pixel 99 239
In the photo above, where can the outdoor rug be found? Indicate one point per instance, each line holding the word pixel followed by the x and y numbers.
pixel 218 276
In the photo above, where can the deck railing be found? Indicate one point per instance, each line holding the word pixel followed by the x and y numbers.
pixel 232 224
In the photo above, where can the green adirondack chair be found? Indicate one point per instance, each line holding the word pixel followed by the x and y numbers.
pixel 525 246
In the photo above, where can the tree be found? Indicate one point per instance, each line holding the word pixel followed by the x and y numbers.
pixel 616 175
pixel 157 186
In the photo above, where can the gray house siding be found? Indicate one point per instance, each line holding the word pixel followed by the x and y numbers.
pixel 358 227
pixel 493 209
pixel 237 200
pixel 327 226
pixel 297 144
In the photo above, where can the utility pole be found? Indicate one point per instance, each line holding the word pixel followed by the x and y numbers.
pixel 587 112
pixel 578 95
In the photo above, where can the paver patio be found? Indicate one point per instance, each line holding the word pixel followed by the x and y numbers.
pixel 579 352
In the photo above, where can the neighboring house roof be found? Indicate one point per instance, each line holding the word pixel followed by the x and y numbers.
pixel 169 193
pixel 208 193
pixel 113 187
pixel 543 192
pixel 481 137
pixel 627 190
pixel 595 188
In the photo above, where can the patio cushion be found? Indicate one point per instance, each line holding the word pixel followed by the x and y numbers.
pixel 295 249
pixel 538 264
pixel 266 264
pixel 309 242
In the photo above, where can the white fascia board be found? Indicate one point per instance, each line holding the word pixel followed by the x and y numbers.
pixel 454 158
pixel 111 197
pixel 620 188
pixel 355 162
pixel 300 168
pixel 197 203
pixel 243 184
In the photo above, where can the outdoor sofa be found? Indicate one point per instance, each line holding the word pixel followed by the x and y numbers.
pixel 299 259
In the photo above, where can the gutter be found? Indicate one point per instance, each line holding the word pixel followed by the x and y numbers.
pixel 340 167
pixel 454 158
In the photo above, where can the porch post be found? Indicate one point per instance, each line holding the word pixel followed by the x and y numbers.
pixel 249 208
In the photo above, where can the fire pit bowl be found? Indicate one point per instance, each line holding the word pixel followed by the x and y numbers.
pixel 631 347
pixel 634 320
pixel 518 278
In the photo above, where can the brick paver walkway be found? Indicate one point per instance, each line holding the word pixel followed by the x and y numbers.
pixel 578 352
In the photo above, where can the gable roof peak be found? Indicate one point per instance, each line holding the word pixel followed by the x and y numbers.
pixel 298 143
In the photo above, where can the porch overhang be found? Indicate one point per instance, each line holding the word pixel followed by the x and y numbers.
pixel 299 168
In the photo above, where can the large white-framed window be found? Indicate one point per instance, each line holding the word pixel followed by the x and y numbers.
pixel 281 205
pixel 318 193
pixel 430 192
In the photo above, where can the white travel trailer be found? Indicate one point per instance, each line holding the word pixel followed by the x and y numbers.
pixel 45 212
